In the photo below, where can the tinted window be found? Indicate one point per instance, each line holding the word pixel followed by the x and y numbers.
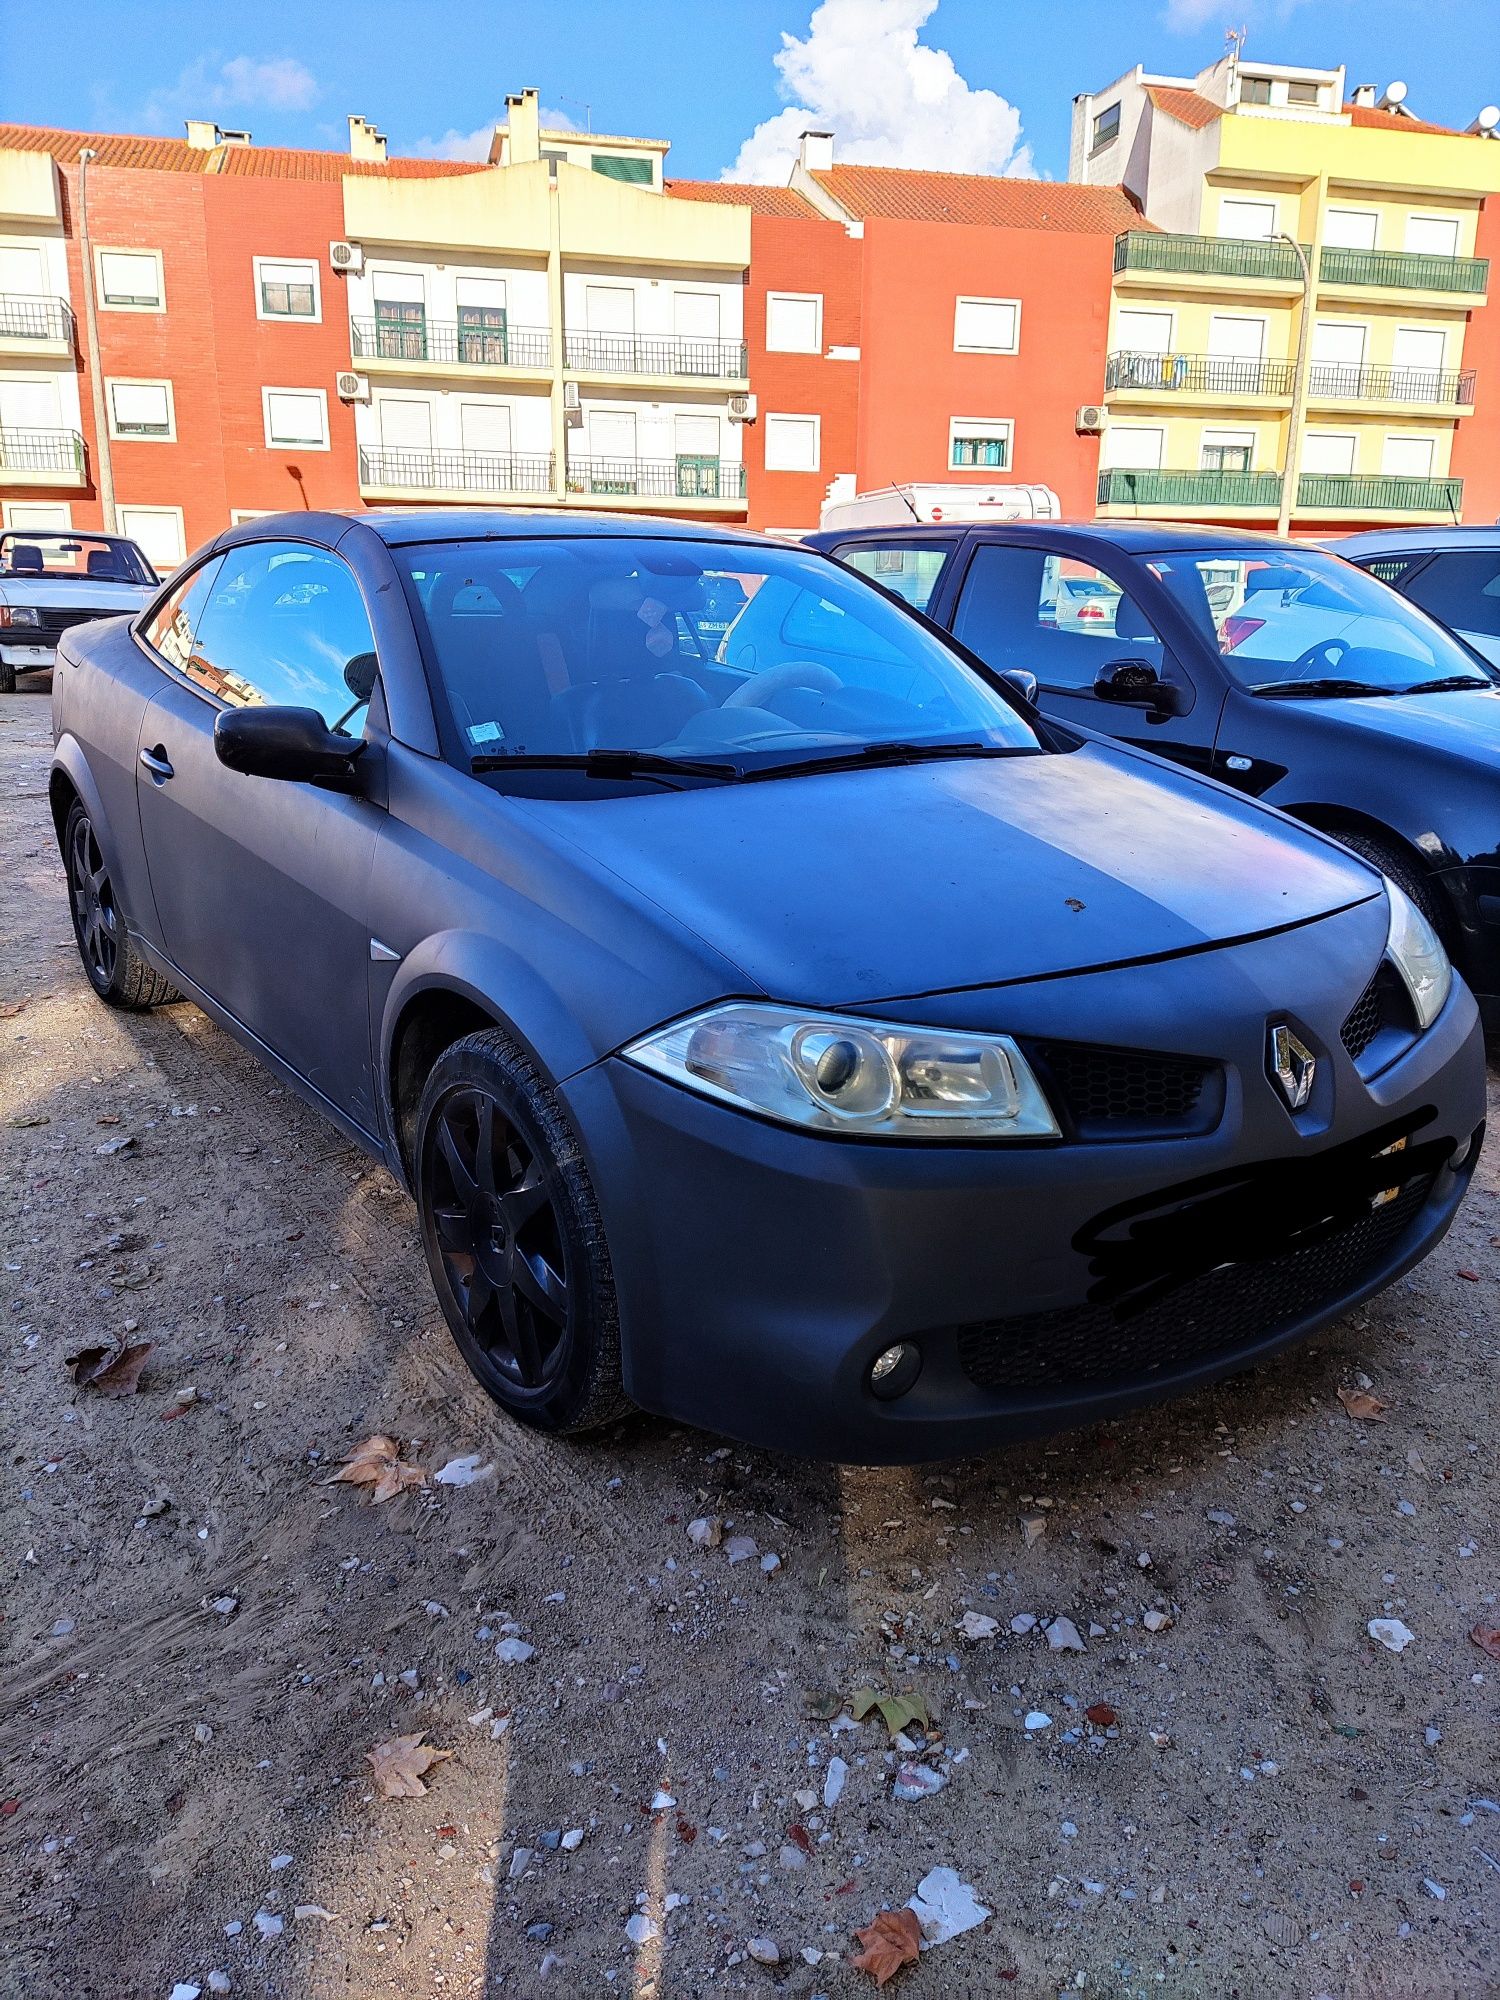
pixel 281 626
pixel 1463 590
pixel 171 626
pixel 740 650
pixel 1059 618
pixel 908 572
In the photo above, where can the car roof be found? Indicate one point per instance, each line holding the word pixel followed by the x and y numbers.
pixel 1130 537
pixel 1379 541
pixel 401 526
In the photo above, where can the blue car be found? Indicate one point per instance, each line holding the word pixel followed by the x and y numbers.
pixel 1274 667
pixel 779 1024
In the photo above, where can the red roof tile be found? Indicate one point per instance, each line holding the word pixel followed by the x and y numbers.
pixel 114 149
pixel 291 163
pixel 1371 115
pixel 1188 107
pixel 907 194
pixel 762 200
pixel 124 149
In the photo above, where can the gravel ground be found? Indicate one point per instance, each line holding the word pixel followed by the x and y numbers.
pixel 201 1637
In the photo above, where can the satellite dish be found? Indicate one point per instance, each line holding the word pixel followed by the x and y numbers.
pixel 1395 93
pixel 1489 118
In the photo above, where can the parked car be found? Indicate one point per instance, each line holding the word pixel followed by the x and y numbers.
pixel 1452 573
pixel 1274 667
pixel 797 1036
pixel 52 580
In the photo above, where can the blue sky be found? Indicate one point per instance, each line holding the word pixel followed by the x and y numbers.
pixel 702 72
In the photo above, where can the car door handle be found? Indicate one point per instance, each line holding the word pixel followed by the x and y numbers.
pixel 157 763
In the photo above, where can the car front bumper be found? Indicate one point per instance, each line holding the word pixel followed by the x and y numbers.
pixel 27 659
pixel 760 1270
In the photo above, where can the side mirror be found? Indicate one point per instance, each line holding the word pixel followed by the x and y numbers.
pixel 360 677
pixel 294 744
pixel 1136 684
pixel 1023 681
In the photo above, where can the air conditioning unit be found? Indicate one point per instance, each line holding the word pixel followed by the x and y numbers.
pixel 1090 418
pixel 570 396
pixel 742 409
pixel 353 388
pixel 347 257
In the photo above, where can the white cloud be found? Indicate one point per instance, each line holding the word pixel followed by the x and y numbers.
pixel 890 101
pixel 239 83
pixel 1190 17
pixel 475 145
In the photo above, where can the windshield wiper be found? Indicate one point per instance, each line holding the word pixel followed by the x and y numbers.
pixel 1444 682
pixel 1311 689
pixel 872 754
pixel 607 764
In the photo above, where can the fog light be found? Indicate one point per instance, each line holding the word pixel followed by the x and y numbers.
pixel 1461 1155
pixel 893 1371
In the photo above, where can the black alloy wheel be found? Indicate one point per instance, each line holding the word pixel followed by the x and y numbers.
pixel 96 921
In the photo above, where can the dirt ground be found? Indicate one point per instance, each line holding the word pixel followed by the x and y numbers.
pixel 201 1637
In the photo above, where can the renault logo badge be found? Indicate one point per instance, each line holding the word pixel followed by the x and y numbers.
pixel 1293 1065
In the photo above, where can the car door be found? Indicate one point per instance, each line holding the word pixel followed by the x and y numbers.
pixel 909 570
pixel 1055 614
pixel 261 886
pixel 1461 589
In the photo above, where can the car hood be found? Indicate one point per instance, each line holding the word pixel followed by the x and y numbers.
pixel 867 885
pixel 86 594
pixel 1463 724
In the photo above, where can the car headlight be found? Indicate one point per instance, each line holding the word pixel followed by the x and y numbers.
pixel 19 614
pixel 866 1079
pixel 1416 951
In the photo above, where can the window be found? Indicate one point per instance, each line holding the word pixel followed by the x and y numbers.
pixel 1059 618
pixel 1338 358
pixel 157 532
pixel 400 315
pixel 1106 128
pixel 1433 235
pixel 296 418
pixel 485 428
pixel 171 627
pixel 281 624
pixel 141 410
pixel 24 514
pixel 623 167
pixel 979 444
pixel 1350 228
pixel 911 571
pixel 1463 591
pixel 1253 221
pixel 1255 90
pixel 1227 451
pixel 286 290
pixel 986 326
pixel 1328 452
pixel 483 320
pixel 1303 93
pixel 1407 457
pixel 1133 448
pixel 792 444
pixel 131 280
pixel 794 322
pixel 22 270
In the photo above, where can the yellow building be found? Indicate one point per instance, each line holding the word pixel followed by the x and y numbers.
pixel 1275 201
pixel 554 329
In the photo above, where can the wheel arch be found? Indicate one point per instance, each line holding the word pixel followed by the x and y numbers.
pixel 1336 820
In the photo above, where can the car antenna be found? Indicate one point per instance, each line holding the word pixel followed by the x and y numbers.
pixel 902 493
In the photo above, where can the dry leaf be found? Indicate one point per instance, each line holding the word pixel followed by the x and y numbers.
pixel 1487 1639
pixel 399 1765
pixel 1362 1406
pixel 897 1711
pixel 114 1371
pixel 377 1463
pixel 894 1939
pixel 10 1008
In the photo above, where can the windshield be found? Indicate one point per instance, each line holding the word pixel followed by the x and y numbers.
pixel 1281 618
pixel 752 655
pixel 90 558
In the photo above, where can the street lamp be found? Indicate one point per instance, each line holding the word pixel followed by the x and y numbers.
pixel 1291 457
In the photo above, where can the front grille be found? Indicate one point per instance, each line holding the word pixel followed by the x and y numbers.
pixel 1124 1093
pixel 54 620
pixel 1383 1004
pixel 1239 1306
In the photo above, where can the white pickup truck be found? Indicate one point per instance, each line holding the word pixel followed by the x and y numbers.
pixel 51 578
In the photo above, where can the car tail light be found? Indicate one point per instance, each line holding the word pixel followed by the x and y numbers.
pixel 1235 631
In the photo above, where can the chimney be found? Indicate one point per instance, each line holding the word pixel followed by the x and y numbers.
pixel 815 152
pixel 1364 96
pixel 524 119
pixel 365 143
pixel 203 134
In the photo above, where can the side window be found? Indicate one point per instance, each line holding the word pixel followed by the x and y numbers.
pixel 1059 617
pixel 910 572
pixel 169 630
pixel 1463 591
pixel 283 625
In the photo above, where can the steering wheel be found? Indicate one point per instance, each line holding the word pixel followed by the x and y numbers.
pixel 1325 653
pixel 772 681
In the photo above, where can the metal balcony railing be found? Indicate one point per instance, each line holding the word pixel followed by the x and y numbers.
pixel 1208 256
pixel 650 354
pixel 1201 374
pixel 1391 385
pixel 41 451
pixel 457 471
pixel 1124 486
pixel 1383 493
pixel 445 341
pixel 685 478
pixel 1411 270
pixel 35 318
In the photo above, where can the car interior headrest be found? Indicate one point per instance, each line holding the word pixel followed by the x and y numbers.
pixel 25 559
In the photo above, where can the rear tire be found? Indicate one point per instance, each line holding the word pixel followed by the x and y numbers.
pixel 514 1239
pixel 7 679
pixel 115 969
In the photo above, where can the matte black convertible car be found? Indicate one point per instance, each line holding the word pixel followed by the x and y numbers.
pixel 804 1039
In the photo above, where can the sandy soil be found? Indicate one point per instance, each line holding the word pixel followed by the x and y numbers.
pixel 1281 1806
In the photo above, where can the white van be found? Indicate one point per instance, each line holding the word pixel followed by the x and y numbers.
pixel 899 506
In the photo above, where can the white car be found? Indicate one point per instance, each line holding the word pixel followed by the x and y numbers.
pixel 53 578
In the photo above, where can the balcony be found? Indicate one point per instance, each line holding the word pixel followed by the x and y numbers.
pixel 35 325
pixel 1198 375
pixel 1157 251
pixel 41 458
pixel 1210 491
pixel 1379 493
pixel 693 480
pixel 661 357
pixel 1405 270
pixel 1430 387
pixel 433 346
pixel 399 474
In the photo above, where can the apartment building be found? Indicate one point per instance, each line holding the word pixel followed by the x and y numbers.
pixel 1290 218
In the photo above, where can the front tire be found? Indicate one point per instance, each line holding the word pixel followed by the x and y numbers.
pixel 1404 872
pixel 514 1240
pixel 116 970
pixel 7 679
